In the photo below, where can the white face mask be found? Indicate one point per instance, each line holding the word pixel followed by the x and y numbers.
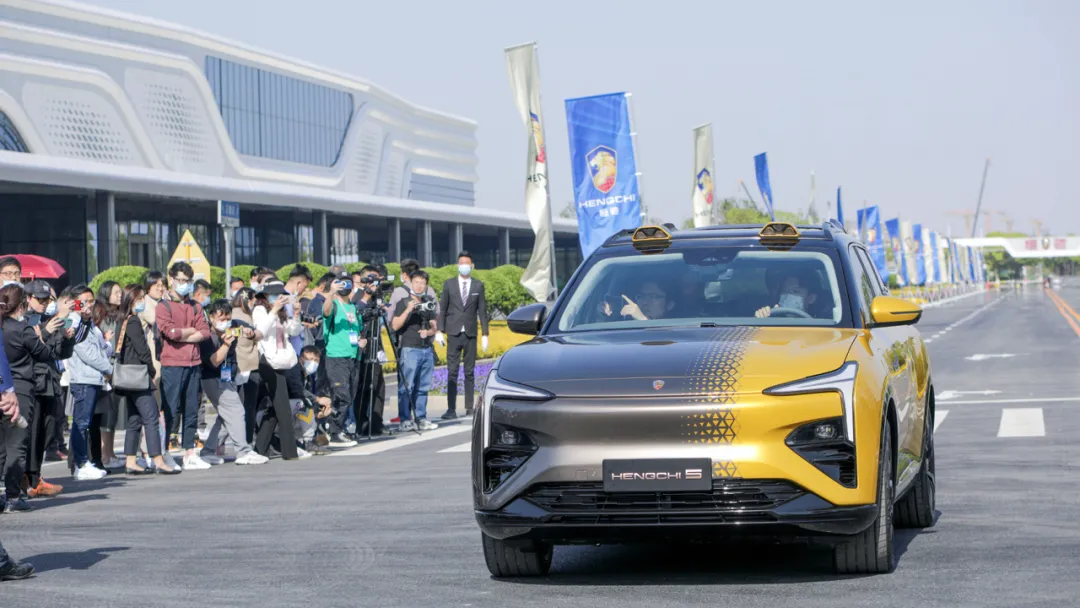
pixel 221 326
pixel 311 367
pixel 50 310
pixel 791 300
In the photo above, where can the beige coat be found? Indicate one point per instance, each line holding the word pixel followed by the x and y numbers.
pixel 247 350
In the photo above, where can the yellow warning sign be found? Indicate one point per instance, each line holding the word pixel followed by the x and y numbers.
pixel 188 251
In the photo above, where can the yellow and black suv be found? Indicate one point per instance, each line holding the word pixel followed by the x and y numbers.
pixel 705 384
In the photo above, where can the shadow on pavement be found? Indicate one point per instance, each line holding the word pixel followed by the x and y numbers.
pixel 63 500
pixel 71 560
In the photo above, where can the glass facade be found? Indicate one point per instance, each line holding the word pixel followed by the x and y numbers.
pixel 247 249
pixel 9 136
pixel 279 117
pixel 344 246
pixel 305 243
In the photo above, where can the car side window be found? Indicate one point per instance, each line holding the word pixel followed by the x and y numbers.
pixel 871 271
pixel 863 282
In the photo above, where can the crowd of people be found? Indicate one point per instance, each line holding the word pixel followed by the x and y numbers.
pixel 291 368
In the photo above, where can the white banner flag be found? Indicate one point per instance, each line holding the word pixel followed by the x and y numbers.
pixel 907 237
pixel 524 69
pixel 704 193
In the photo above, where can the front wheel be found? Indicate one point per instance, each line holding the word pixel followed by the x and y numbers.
pixel 871 551
pixel 517 558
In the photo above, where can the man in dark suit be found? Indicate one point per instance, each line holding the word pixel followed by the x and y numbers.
pixel 462 305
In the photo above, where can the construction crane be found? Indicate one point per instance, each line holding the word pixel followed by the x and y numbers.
pixel 1005 217
pixel 968 214
pixel 1038 227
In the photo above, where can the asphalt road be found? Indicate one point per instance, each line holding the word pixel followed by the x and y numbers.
pixel 390 524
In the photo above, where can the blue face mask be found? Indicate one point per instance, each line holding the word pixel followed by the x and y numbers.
pixel 205 302
pixel 184 290
pixel 50 310
pixel 464 269
pixel 140 307
pixel 271 299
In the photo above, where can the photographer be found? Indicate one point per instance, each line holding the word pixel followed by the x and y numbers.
pixel 342 326
pixel 372 388
pixel 313 315
pixel 408 267
pixel 414 322
pixel 47 316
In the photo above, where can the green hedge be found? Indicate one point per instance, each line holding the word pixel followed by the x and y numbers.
pixel 503 284
pixel 124 275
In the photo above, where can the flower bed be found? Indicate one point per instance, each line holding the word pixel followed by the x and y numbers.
pixel 439 379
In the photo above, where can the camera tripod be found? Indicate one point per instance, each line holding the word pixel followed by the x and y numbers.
pixel 373 333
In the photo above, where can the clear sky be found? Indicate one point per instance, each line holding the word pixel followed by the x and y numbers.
pixel 900 103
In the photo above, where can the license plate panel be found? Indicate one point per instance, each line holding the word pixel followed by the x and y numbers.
pixel 658 475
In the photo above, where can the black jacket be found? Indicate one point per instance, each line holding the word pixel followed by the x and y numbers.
pixel 453 313
pixel 135 350
pixel 24 348
pixel 47 375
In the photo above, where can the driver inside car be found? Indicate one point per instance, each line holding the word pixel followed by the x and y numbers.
pixel 794 292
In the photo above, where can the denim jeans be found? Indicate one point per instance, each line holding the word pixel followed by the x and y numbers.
pixel 180 397
pixel 84 398
pixel 418 365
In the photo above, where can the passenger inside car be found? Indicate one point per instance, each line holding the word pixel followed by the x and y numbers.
pixel 650 302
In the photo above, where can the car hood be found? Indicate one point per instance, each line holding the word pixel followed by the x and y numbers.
pixel 674 361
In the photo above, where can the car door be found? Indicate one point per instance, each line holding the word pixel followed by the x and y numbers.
pixel 902 362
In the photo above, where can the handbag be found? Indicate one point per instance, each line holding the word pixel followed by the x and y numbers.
pixel 127 376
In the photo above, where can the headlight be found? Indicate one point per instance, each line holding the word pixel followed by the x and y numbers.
pixel 497 388
pixel 841 381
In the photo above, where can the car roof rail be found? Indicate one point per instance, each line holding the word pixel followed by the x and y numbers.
pixel 832 224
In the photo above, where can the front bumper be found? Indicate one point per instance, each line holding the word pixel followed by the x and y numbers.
pixel 582 513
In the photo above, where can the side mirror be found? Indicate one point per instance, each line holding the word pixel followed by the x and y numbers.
pixel 887 311
pixel 528 319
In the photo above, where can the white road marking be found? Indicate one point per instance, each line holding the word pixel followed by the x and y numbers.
pixel 465 447
pixel 1027 400
pixel 939 417
pixel 982 357
pixel 1025 422
pixel 947 395
pixel 390 444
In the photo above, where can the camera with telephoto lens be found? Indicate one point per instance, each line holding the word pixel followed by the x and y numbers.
pixel 427 304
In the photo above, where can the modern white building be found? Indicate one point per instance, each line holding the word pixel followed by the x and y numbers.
pixel 118 133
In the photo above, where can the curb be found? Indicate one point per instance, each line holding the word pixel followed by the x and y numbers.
pixel 954 299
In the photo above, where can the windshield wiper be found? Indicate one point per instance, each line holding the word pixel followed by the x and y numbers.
pixel 710 324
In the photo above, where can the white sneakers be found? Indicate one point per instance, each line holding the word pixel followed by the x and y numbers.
pixel 212 458
pixel 195 463
pixel 88 472
pixel 302 454
pixel 252 457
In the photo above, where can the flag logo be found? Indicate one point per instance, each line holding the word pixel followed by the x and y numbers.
pixel 603 166
pixel 704 184
pixel 871 235
pixel 538 135
pixel 657 385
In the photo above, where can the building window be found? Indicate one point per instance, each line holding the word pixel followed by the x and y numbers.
pixel 247 246
pixel 9 136
pixel 305 243
pixel 346 247
pixel 91 249
pixel 279 117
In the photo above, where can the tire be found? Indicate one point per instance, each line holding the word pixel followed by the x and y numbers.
pixel 916 508
pixel 506 559
pixel 871 551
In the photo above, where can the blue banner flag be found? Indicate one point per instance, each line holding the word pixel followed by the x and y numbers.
pixel 920 254
pixel 869 219
pixel 839 208
pixel 605 173
pixel 893 228
pixel 954 262
pixel 762 165
pixel 935 252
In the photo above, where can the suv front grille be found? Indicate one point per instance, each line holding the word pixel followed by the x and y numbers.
pixel 731 500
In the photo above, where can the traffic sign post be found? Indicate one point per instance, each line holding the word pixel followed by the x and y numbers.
pixel 229 220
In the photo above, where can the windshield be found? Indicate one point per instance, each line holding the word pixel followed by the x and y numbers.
pixel 697 285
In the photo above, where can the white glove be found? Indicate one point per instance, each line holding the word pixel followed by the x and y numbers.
pixel 483 343
pixel 440 339
pixel 381 357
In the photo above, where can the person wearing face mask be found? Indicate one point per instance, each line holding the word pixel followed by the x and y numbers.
pixel 278 357
pixel 107 411
pixel 47 318
pixel 649 303
pixel 182 326
pixel 247 359
pixel 342 327
pixel 219 374
pixel 462 307
pixel 201 294
pixel 793 292
pixel 408 267
pixel 23 348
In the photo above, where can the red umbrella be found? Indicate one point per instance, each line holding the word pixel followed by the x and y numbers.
pixel 37 267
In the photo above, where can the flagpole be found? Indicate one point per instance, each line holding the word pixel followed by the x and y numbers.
pixel 547 187
pixel 637 158
pixel 748 195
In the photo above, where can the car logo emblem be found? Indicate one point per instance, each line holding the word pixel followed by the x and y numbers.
pixel 657 384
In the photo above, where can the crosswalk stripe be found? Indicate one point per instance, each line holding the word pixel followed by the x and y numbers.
pixel 384 445
pixel 1022 422
pixel 939 417
pixel 465 447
